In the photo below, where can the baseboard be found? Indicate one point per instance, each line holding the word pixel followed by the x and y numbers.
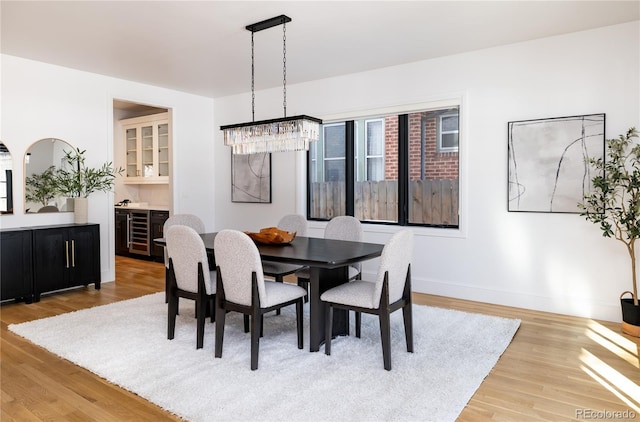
pixel 560 305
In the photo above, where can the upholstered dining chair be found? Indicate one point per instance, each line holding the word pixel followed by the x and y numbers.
pixel 343 227
pixel 241 287
pixel 189 220
pixel 189 277
pixel 278 270
pixel 390 291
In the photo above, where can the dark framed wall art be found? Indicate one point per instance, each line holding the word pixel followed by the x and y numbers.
pixel 251 178
pixel 548 171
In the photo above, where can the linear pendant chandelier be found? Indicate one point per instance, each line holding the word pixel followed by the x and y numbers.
pixel 273 135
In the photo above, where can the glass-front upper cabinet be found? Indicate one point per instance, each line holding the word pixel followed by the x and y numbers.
pixel 131 141
pixel 147 149
pixel 163 149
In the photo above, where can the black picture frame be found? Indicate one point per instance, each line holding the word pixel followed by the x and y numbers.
pixel 548 169
pixel 251 178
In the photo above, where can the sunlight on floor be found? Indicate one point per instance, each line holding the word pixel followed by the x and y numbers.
pixel 618 384
pixel 614 342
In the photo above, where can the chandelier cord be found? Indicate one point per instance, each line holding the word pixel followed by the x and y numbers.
pixel 253 88
pixel 284 67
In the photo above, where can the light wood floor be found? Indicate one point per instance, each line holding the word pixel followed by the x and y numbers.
pixel 557 367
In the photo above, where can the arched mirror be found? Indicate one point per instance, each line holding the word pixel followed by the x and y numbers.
pixel 41 162
pixel 6 180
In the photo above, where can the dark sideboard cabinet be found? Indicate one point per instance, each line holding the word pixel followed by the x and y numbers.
pixel 16 268
pixel 43 259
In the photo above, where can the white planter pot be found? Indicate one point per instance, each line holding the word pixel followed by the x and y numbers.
pixel 80 210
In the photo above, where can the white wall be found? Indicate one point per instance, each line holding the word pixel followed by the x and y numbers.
pixel 552 262
pixel 45 101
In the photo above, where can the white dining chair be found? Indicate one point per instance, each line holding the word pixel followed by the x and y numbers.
pixel 390 291
pixel 188 220
pixel 189 277
pixel 278 270
pixel 343 227
pixel 241 287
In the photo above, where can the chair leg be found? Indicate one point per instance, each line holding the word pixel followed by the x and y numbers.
pixel 246 323
pixel 201 316
pixel 166 285
pixel 328 324
pixel 220 317
pixel 385 335
pixel 299 311
pixel 255 339
pixel 212 308
pixel 304 283
pixel 172 312
pixel 279 279
pixel 358 323
pixel 408 326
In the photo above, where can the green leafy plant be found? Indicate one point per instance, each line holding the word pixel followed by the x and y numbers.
pixel 614 201
pixel 41 188
pixel 76 180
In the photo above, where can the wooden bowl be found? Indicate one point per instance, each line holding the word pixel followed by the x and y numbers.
pixel 272 236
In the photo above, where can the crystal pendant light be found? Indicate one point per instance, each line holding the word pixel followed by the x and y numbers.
pixel 274 135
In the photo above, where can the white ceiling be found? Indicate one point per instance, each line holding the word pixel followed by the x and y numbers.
pixel 202 47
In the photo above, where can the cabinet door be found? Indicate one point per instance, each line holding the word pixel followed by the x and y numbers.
pixel 147 150
pixel 157 225
pixel 84 248
pixel 122 232
pixel 16 278
pixel 132 146
pixel 51 260
pixel 163 149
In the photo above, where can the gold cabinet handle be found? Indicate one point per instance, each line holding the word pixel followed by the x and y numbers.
pixel 73 253
pixel 66 248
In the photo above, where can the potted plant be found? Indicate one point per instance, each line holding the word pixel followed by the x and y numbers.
pixel 76 180
pixel 41 188
pixel 614 205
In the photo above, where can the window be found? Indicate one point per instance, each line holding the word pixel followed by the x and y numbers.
pixel 394 172
pixel 374 136
pixel 326 173
pixel 448 133
pixel 334 152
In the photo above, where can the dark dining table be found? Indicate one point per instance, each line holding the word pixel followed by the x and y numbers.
pixel 328 261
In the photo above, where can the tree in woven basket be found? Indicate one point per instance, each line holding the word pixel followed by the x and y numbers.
pixel 614 201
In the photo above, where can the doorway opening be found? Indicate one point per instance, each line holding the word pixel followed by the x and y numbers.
pixel 142 195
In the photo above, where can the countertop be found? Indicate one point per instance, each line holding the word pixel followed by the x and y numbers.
pixel 143 206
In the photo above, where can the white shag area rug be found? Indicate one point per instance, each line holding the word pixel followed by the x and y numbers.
pixel 126 343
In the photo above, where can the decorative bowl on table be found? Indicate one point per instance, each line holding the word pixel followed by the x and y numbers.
pixel 272 236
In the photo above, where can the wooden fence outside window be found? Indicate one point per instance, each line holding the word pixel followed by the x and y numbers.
pixel 432 202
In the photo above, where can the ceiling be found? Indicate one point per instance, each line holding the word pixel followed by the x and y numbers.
pixel 201 47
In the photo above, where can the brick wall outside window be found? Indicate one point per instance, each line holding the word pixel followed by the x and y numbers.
pixel 437 165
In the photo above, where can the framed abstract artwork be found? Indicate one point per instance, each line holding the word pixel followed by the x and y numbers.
pixel 548 168
pixel 251 178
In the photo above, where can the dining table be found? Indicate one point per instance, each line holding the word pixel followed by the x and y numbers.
pixel 328 261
